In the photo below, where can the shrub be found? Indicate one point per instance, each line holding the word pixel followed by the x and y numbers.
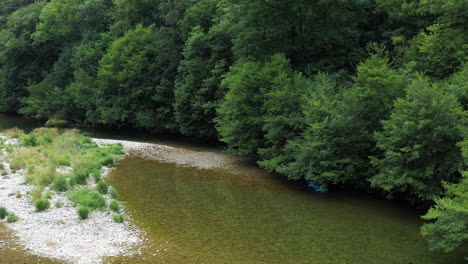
pixel 3 212
pixel 29 140
pixel 41 175
pixel 42 204
pixel 118 218
pixel 96 174
pixel 114 206
pixel 89 198
pixel 107 161
pixel 58 204
pixel 83 212
pixel 80 177
pixel 102 187
pixel 114 194
pixel 60 184
pixel 12 218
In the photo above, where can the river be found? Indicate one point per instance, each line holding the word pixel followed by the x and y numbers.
pixel 241 214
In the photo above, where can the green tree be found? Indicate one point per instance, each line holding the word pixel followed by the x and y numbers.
pixel 20 61
pixel 314 35
pixel 419 143
pixel 320 100
pixel 63 21
pixel 136 78
pixel 198 92
pixel 448 226
pixel 337 149
pixel 292 104
pixel 242 114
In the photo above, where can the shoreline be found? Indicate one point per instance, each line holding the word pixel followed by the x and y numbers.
pixel 59 234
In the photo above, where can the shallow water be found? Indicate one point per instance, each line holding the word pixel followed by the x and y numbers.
pixel 214 216
pixel 245 215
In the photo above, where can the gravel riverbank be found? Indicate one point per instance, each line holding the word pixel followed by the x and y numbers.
pixel 58 233
pixel 179 156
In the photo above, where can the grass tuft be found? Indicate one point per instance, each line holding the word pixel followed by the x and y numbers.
pixel 114 206
pixel 114 194
pixel 118 218
pixel 42 204
pixel 3 212
pixel 12 218
pixel 83 212
pixel 61 184
pixel 102 187
pixel 89 198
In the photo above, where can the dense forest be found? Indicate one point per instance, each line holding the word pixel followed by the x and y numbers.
pixel 370 94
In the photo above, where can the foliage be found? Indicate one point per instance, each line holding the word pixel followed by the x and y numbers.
pixel 83 212
pixel 448 226
pixel 29 140
pixel 102 187
pixel 139 67
pixel 118 218
pixel 42 204
pixel 114 206
pixel 419 143
pixel 61 184
pixel 337 146
pixel 52 148
pixel 88 198
pixel 114 194
pixel 207 58
pixel 3 212
pixel 12 218
pixel 242 114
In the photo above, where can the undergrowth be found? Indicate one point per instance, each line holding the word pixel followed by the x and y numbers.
pixel 62 160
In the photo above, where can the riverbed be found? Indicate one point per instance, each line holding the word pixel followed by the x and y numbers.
pixel 233 212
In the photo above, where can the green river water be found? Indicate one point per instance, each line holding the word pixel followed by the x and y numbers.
pixel 245 215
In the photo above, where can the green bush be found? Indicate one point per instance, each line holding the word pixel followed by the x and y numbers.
pixel 12 218
pixel 118 218
pixel 114 194
pixel 83 212
pixel 114 206
pixel 89 198
pixel 107 161
pixel 80 177
pixel 102 187
pixel 60 184
pixel 29 140
pixel 58 204
pixel 42 204
pixel 96 174
pixel 3 212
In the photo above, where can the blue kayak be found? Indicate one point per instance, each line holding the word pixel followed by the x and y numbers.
pixel 316 187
